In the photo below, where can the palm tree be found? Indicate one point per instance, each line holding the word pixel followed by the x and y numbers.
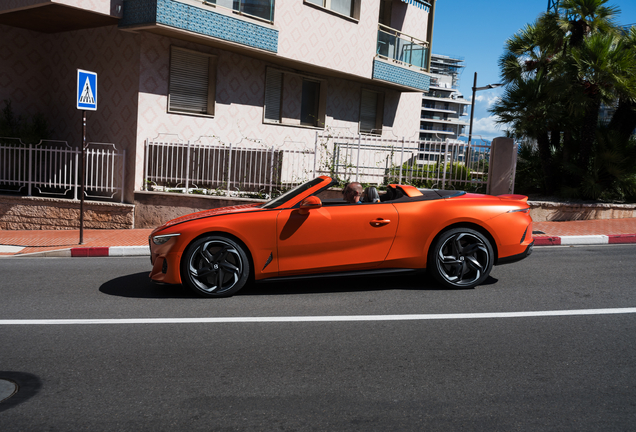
pixel 585 17
pixel 624 118
pixel 602 68
pixel 558 71
pixel 529 104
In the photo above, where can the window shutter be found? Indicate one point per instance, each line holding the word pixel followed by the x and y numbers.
pixel 368 111
pixel 273 92
pixel 189 82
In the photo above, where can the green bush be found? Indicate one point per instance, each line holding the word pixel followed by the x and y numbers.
pixel 420 176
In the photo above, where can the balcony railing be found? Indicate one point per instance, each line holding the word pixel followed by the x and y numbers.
pixel 263 9
pixel 399 47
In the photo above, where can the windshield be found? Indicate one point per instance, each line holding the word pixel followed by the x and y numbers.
pixel 292 193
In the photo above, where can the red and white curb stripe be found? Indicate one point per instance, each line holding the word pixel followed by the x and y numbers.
pixel 108 251
pixel 123 251
pixel 584 240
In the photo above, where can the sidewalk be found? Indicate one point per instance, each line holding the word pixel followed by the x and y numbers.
pixel 134 242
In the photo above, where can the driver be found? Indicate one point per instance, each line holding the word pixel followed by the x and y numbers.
pixel 352 193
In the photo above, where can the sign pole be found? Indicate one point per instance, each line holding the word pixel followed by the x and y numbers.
pixel 83 178
pixel 86 100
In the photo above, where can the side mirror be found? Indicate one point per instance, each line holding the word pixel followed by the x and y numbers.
pixel 312 202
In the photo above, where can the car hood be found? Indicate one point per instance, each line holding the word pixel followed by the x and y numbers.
pixel 210 213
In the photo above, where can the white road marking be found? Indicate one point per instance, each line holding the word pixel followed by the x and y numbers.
pixel 342 318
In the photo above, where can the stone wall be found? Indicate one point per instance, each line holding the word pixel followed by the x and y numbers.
pixel 544 211
pixel 36 213
pixel 155 208
pixel 152 209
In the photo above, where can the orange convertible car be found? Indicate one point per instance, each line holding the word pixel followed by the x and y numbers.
pixel 456 236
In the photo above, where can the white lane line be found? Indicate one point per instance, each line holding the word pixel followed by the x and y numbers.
pixel 413 317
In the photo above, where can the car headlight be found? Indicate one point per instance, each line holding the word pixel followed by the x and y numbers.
pixel 161 239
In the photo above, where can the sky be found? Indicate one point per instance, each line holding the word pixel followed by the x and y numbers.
pixel 477 31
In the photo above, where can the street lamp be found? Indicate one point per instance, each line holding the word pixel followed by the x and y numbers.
pixel 472 106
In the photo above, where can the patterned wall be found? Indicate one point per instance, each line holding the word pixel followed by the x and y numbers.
pixel 38 73
pixel 200 19
pixel 409 19
pixel 400 75
pixel 315 36
pixel 107 7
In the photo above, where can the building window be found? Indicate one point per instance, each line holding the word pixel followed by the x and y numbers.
pixel 371 111
pixel 350 8
pixel 309 103
pixel 192 85
pixel 263 9
pixel 294 99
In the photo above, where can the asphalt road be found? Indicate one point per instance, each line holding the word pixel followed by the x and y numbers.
pixel 475 373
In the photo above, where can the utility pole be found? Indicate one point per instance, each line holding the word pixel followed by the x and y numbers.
pixel 553 5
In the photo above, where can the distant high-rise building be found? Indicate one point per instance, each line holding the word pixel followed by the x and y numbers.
pixel 443 106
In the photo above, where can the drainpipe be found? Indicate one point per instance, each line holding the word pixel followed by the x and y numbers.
pixel 429 34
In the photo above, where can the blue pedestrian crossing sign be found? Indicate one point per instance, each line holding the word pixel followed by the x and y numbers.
pixel 86 90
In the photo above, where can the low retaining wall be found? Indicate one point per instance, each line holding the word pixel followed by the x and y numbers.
pixel 544 211
pixel 155 208
pixel 152 209
pixel 37 213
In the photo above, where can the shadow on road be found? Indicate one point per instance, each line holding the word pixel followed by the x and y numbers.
pixel 138 285
pixel 28 385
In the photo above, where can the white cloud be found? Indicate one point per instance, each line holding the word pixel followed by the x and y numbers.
pixel 487 128
pixel 488 98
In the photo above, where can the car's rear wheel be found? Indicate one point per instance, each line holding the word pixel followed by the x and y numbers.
pixel 215 266
pixel 461 258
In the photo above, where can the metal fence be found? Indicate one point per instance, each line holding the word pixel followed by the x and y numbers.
pixel 222 169
pixel 445 164
pixel 52 168
pixel 252 169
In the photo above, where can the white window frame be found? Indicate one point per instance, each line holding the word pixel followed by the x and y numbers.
pixel 273 100
pixel 326 5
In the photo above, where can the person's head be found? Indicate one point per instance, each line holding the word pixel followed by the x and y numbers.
pixel 352 192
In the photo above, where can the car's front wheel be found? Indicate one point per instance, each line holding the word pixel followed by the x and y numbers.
pixel 461 258
pixel 215 266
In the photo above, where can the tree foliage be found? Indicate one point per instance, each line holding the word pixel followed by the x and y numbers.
pixel 559 71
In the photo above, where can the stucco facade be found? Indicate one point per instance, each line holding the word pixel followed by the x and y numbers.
pixel 133 59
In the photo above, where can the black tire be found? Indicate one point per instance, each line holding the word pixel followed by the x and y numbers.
pixel 460 258
pixel 215 266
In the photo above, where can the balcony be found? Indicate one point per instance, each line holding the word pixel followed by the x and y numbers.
pixel 401 48
pixel 401 59
pixel 427 128
pixel 251 27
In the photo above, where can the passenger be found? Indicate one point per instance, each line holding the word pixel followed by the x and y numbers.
pixel 352 193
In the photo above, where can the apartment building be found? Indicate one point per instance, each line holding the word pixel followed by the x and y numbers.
pixel 443 106
pixel 272 71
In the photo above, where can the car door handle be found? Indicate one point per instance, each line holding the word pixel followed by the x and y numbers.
pixel 379 222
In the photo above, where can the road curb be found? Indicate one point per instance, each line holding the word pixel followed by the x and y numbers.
pixel 129 251
pixel 111 251
pixel 91 252
pixel 584 240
